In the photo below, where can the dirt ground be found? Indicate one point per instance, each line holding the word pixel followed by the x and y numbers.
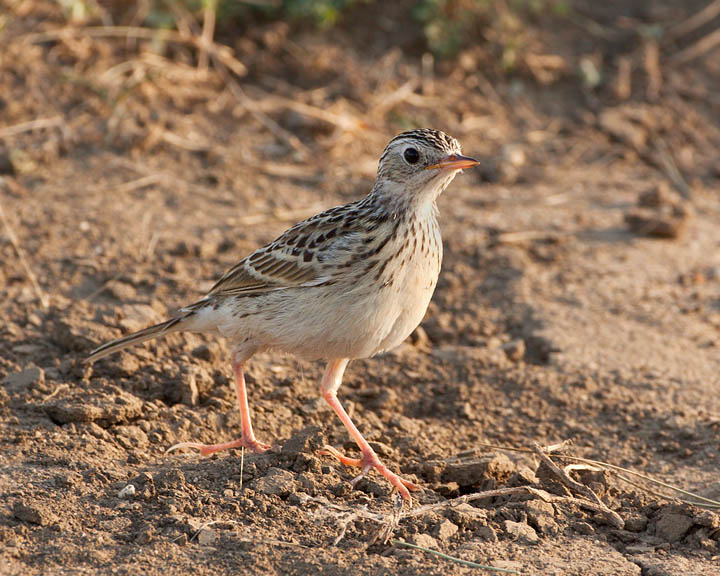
pixel 579 298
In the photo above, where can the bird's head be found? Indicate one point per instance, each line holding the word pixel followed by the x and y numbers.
pixel 418 165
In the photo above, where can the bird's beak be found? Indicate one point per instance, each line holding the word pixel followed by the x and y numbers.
pixel 454 162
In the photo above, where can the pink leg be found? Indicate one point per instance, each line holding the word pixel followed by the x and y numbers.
pixel 330 384
pixel 247 438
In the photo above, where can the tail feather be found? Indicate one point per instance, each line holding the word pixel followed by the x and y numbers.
pixel 149 333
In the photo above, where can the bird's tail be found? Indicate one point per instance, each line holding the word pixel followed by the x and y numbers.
pixel 167 327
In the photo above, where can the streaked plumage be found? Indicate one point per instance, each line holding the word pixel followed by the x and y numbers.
pixel 347 283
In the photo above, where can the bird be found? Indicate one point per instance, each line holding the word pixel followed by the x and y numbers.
pixel 348 283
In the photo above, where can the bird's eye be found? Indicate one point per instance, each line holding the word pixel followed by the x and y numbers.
pixel 411 156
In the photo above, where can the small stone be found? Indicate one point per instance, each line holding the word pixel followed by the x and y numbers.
pixel 673 526
pixel 520 531
pixel 424 540
pixel 583 528
pixel 514 350
pixel 26 378
pixel 276 482
pixel 445 530
pixel 206 537
pixel 127 492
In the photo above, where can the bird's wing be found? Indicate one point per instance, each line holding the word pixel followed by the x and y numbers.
pixel 308 254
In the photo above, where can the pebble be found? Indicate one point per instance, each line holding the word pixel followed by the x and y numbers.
pixel 127 492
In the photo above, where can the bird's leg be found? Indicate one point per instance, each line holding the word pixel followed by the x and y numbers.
pixel 247 438
pixel 369 459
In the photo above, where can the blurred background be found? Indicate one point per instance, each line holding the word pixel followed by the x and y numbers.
pixel 146 146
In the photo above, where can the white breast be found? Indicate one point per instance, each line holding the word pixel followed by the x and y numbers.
pixel 353 319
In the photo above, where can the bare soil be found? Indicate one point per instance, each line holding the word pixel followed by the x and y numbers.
pixel 579 299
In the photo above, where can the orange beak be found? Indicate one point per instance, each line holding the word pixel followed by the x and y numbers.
pixel 454 162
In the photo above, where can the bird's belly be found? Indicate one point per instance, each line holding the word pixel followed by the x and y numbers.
pixel 345 320
pixel 410 302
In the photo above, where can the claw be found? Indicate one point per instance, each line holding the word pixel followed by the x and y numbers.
pixel 370 460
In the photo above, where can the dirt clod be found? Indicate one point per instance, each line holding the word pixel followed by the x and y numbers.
pixel 673 526
pixel 33 513
pixel 424 540
pixel 445 530
pixel 104 408
pixel 476 469
pixel 520 531
pixel 25 378
pixel 277 482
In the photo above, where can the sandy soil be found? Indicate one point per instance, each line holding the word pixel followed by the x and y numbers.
pixel 560 314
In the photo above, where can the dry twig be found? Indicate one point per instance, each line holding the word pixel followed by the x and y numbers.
pixel 611 515
pixel 38 124
pixel 699 48
pixel 208 31
pixel 222 53
pixel 695 21
pixel 697 500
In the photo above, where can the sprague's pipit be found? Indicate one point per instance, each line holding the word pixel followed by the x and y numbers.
pixel 348 283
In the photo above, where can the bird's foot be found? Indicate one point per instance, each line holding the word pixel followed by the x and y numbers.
pixel 207 449
pixel 370 460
